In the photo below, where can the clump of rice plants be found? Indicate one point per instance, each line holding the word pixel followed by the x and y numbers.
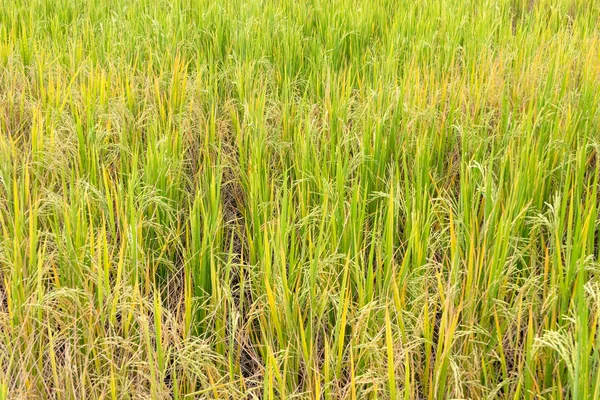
pixel 251 199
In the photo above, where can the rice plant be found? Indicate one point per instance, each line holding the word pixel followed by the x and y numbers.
pixel 320 199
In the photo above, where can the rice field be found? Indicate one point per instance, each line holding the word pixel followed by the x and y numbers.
pixel 319 199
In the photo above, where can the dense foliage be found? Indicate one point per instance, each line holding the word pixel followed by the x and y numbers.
pixel 299 199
